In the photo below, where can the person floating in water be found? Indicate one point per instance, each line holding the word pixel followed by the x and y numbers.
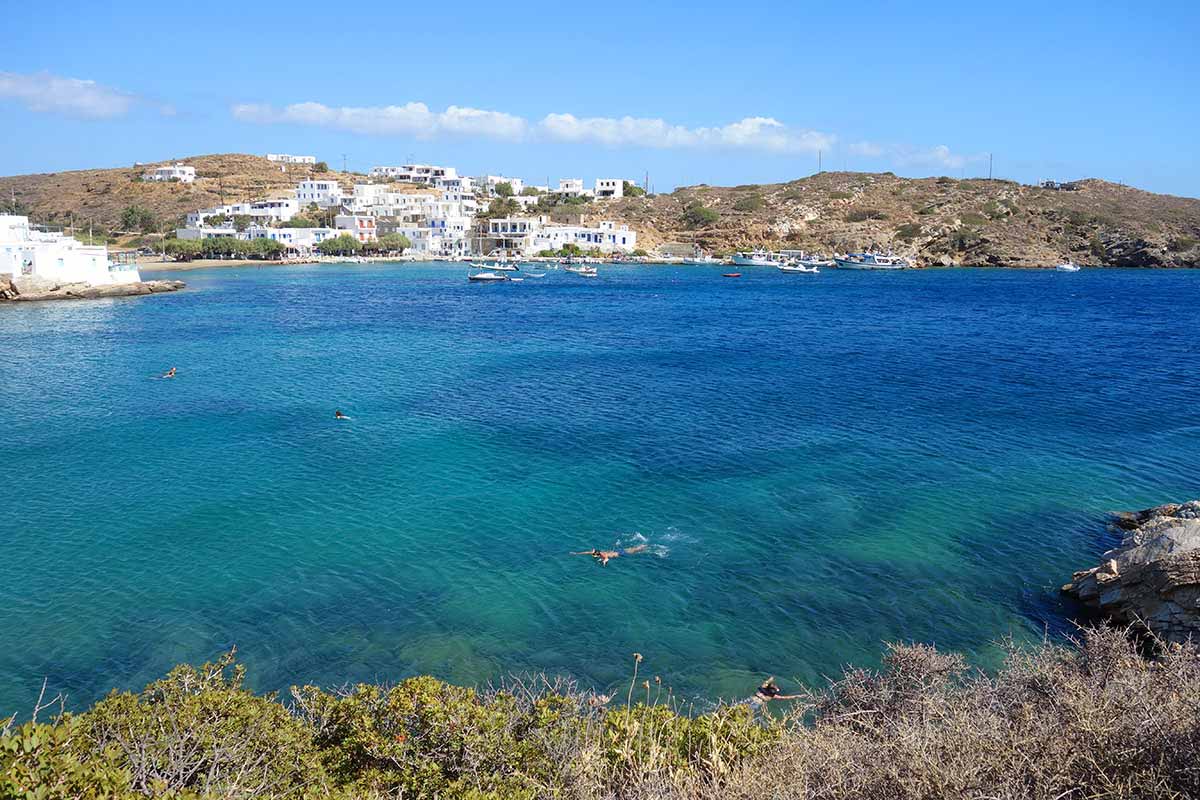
pixel 604 555
pixel 337 414
pixel 169 373
pixel 769 691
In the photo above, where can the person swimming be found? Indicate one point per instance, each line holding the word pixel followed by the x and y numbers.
pixel 337 414
pixel 603 556
pixel 768 691
pixel 169 373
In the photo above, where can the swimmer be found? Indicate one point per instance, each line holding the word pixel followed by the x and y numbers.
pixel 603 556
pixel 339 415
pixel 769 691
pixel 169 373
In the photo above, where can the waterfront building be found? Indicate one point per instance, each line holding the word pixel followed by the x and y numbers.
pixel 175 172
pixel 360 226
pixel 298 241
pixel 36 259
pixel 530 235
pixel 324 192
pixel 284 158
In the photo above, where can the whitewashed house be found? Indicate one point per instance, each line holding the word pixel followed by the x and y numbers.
pixel 36 259
pixel 260 211
pixel 530 235
pixel 610 187
pixel 323 191
pixel 175 172
pixel 361 226
pixel 414 173
pixel 302 241
pixel 284 158
pixel 572 187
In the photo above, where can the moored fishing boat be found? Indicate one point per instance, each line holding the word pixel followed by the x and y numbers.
pixel 1068 266
pixel 798 267
pixel 871 261
pixel 755 258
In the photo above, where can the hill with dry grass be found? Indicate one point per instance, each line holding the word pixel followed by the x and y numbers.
pixel 99 196
pixel 932 220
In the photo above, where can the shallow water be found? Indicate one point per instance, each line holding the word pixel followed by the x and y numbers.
pixel 818 463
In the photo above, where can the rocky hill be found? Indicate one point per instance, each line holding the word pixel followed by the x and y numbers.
pixel 99 196
pixel 933 220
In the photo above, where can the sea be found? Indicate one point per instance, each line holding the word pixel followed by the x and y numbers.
pixel 807 467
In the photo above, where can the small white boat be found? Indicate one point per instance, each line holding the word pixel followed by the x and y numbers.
pixel 488 277
pixel 535 274
pixel 798 267
pixel 516 280
pixel 1069 266
pixel 871 261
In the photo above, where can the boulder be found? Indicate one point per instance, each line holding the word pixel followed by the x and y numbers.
pixel 86 291
pixel 1153 577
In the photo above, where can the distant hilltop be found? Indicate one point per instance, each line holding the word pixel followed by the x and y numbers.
pixel 934 221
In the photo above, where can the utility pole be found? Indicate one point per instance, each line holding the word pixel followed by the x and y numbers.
pixel 989 166
pixel 343 162
pixel 818 161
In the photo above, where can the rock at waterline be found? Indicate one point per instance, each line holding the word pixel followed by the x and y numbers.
pixel 86 291
pixel 1153 577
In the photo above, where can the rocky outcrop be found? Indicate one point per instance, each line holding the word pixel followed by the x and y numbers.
pixel 86 291
pixel 1153 577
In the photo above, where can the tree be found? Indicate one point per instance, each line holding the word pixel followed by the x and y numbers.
pixel 631 189
pixel 394 243
pixel 216 220
pixel 504 189
pixel 530 191
pixel 182 249
pixel 320 166
pixel 241 222
pixel 696 215
pixel 136 218
pixel 342 245
pixel 502 207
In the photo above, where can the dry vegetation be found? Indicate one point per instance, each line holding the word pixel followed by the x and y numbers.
pixel 1095 720
pixel 934 220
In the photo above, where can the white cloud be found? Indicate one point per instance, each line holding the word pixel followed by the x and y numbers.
pixel 752 133
pixel 46 93
pixel 939 156
pixel 416 119
pixel 866 149
pixel 412 119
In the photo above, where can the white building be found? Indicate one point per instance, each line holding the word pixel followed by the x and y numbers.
pixel 39 258
pixel 572 187
pixel 610 187
pixel 414 173
pixel 323 192
pixel 259 211
pixel 284 158
pixel 360 226
pixel 299 240
pixel 175 172
pixel 530 235
pixel 490 182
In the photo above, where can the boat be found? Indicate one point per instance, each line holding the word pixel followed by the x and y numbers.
pixel 535 274
pixel 484 274
pixel 1068 266
pixel 871 261
pixel 731 275
pixel 755 258
pixel 699 258
pixel 798 267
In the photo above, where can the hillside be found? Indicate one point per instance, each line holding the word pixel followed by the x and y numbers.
pixel 100 195
pixel 934 220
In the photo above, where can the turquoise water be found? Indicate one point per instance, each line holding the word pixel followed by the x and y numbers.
pixel 817 463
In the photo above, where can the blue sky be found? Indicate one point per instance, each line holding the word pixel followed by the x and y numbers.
pixel 721 93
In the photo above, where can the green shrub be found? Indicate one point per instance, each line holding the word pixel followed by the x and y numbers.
pixel 697 215
pixel 972 218
pixel 750 202
pixel 909 231
pixel 864 214
pixel 631 189
pixel 840 195
pixel 54 762
pixel 1181 244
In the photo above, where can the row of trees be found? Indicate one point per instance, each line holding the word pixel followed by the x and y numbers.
pixel 347 245
pixel 267 249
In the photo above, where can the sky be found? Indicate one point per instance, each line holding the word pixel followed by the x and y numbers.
pixel 697 92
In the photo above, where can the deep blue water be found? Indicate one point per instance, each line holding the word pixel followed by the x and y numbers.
pixel 818 463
